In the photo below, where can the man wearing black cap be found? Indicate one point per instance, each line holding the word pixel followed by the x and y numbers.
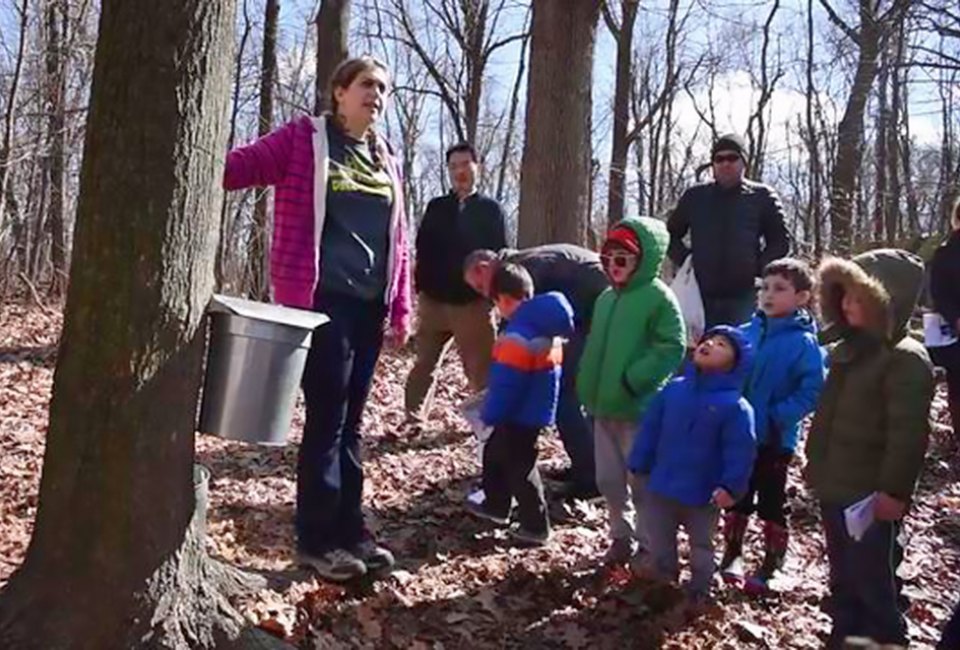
pixel 736 227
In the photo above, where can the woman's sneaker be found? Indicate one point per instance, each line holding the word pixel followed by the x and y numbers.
pixel 337 565
pixel 374 557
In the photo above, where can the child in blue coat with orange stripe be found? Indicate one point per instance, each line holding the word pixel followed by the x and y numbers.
pixel 522 393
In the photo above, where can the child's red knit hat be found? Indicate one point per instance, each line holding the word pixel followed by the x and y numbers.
pixel 623 237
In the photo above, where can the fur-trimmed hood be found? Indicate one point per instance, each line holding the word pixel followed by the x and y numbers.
pixel 888 282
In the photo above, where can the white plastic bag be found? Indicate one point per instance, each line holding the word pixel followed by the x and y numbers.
pixel 687 290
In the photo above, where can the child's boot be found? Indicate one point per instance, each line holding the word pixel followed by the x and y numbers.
pixel 734 529
pixel 775 539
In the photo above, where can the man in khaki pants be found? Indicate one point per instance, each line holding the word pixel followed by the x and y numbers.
pixel 448 310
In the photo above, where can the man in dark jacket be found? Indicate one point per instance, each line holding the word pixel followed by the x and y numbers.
pixel 576 273
pixel 736 227
pixel 448 309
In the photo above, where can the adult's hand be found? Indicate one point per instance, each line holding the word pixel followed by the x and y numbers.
pixel 888 508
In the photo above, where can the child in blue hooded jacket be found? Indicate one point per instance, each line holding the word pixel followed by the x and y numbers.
pixel 787 377
pixel 522 393
pixel 694 452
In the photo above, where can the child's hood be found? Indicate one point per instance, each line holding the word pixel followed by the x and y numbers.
pixel 654 240
pixel 888 282
pixel 547 314
pixel 736 377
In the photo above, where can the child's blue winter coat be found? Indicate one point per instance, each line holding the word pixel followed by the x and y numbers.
pixel 524 382
pixel 787 377
pixel 697 434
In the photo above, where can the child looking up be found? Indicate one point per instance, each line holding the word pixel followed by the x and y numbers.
pixel 636 342
pixel 783 388
pixel 694 452
pixel 522 393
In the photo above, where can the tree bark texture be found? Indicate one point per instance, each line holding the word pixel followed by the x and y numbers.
pixel 117 558
pixel 333 24
pixel 555 173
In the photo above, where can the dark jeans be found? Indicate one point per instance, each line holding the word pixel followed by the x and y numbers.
pixel 336 382
pixel 951 633
pixel 510 472
pixel 767 494
pixel 572 424
pixel 865 595
pixel 948 358
pixel 729 310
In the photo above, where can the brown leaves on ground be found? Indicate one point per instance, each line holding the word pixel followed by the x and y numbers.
pixel 460 583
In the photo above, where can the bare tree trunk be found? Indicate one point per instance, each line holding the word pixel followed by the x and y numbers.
pixel 256 247
pixel 906 147
pixel 117 557
pixel 333 25
pixel 869 39
pixel 555 176
pixel 892 204
pixel 813 151
pixel 623 35
pixel 511 120
pixel 475 25
pixel 9 113
pixel 56 23
pixel 757 123
pixel 224 241
pixel 881 164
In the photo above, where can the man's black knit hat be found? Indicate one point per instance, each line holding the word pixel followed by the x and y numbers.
pixel 730 142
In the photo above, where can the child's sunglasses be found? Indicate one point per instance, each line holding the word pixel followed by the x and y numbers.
pixel 620 260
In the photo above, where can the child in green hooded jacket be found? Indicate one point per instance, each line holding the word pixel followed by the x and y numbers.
pixel 869 435
pixel 635 344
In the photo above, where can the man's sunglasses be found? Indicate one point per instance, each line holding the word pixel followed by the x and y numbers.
pixel 730 157
pixel 620 260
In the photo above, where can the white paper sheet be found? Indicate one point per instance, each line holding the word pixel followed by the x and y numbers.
pixel 470 410
pixel 859 517
pixel 937 332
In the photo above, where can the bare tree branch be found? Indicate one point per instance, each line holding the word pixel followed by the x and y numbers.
pixel 835 18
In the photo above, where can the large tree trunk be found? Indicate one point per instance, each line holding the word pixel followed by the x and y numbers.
pixel 117 556
pixel 555 174
pixel 257 249
pixel 333 24
pixel 621 107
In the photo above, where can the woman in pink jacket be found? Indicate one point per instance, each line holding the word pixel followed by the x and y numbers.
pixel 339 247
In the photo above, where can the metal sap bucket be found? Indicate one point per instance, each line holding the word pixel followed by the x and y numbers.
pixel 255 359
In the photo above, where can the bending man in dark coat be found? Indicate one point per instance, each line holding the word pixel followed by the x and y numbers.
pixel 575 272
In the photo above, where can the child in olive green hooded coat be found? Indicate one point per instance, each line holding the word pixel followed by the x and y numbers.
pixel 635 344
pixel 869 435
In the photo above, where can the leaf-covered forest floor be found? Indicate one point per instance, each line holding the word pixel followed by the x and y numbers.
pixel 460 583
